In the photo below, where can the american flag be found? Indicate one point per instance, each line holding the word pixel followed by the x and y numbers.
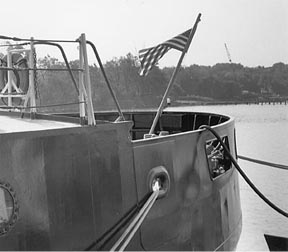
pixel 150 56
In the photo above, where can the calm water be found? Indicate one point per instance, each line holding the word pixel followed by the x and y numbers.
pixel 262 133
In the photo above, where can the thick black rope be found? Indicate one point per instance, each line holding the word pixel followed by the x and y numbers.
pixel 122 222
pixel 266 200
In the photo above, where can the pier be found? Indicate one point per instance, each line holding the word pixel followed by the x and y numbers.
pixel 273 101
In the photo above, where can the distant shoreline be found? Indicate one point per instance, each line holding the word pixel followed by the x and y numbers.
pixel 203 103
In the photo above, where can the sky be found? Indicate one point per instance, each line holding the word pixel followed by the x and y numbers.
pixel 255 31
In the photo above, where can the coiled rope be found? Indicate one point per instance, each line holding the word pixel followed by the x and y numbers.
pixel 249 182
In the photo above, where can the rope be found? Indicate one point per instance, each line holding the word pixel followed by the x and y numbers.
pixel 117 226
pixel 155 196
pixel 255 189
pixel 280 166
pixel 135 224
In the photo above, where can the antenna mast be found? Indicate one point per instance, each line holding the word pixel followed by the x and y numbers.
pixel 228 54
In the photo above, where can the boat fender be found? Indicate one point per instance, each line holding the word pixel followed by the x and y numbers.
pixel 21 77
pixel 159 175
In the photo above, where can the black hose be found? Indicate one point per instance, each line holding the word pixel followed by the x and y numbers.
pixel 266 200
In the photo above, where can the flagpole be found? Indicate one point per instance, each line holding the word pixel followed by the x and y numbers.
pixel 170 84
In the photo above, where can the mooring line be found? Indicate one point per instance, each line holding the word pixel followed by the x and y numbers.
pixel 112 231
pixel 257 161
pixel 255 189
pixel 135 224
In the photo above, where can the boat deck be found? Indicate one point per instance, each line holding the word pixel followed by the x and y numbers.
pixel 13 124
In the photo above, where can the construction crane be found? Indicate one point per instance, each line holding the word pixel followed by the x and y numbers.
pixel 228 54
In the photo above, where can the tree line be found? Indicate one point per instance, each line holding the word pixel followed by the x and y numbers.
pixel 221 82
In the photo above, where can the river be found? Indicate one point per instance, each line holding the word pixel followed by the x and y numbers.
pixel 261 133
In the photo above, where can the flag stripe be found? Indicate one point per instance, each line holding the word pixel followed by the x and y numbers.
pixel 157 56
pixel 179 42
pixel 150 56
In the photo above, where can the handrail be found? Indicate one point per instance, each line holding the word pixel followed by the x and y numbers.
pixel 38 40
pixel 65 60
pixel 40 69
pixel 257 161
pixel 22 44
pixel 106 79
pixel 86 70
pixel 40 106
